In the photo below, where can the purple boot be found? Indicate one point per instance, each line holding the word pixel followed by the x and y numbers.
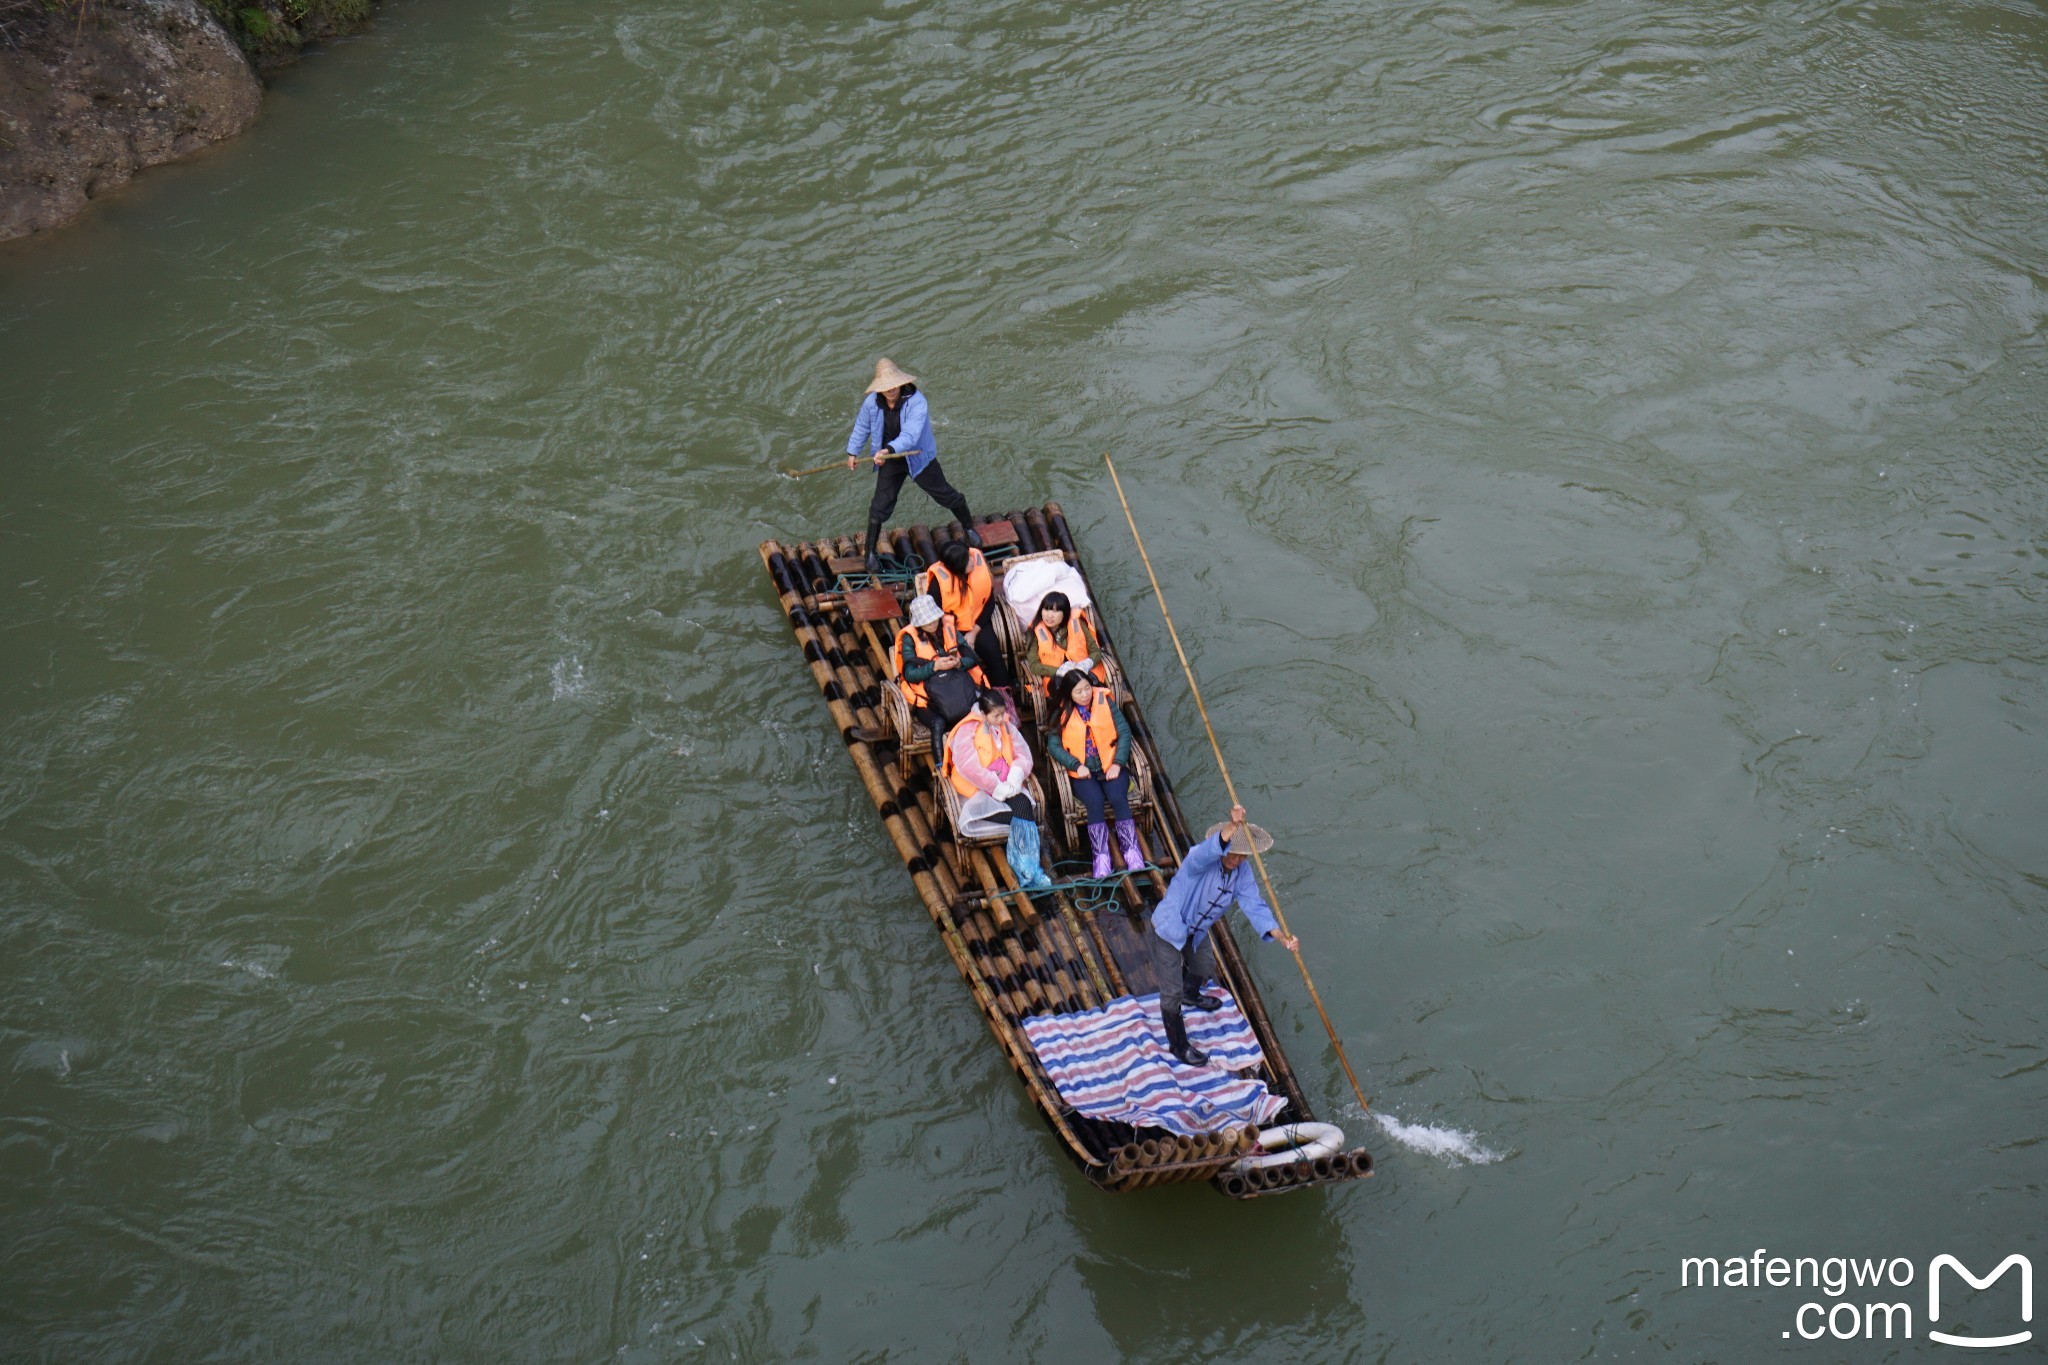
pixel 1127 845
pixel 1098 844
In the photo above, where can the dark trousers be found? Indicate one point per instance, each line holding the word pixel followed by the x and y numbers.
pixel 1101 797
pixel 1179 974
pixel 889 483
pixel 1020 809
pixel 938 722
pixel 995 661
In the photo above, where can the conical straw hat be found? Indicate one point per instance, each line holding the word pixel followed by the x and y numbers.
pixel 887 376
pixel 1234 835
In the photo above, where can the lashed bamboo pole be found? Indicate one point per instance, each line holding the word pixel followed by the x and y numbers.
pixel 1090 948
pixel 836 464
pixel 1230 959
pixel 1022 1057
pixel 1172 825
pixel 1230 787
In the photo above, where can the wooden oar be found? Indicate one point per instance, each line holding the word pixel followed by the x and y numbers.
pixel 836 464
pixel 1231 787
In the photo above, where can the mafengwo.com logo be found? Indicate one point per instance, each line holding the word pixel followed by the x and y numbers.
pixel 1865 1302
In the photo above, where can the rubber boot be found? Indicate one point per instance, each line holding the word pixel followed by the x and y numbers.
pixel 1022 854
pixel 974 537
pixel 1201 1002
pixel 1184 1052
pixel 874 543
pixel 1127 844
pixel 1098 844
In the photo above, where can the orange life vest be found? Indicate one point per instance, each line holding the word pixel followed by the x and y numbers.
pixel 1100 722
pixel 963 604
pixel 986 748
pixel 921 645
pixel 1052 654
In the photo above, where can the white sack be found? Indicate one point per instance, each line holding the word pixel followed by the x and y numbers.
pixel 1026 584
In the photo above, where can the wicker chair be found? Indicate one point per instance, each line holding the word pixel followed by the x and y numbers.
pixel 1040 700
pixel 952 801
pixel 913 741
pixel 1016 638
pixel 1009 630
pixel 1073 815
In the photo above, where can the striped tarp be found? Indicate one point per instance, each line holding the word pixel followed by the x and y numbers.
pixel 1112 1063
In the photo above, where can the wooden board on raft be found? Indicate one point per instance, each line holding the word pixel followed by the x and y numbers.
pixel 1021 955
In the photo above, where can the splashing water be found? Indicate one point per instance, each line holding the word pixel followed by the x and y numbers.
pixel 566 677
pixel 1449 1145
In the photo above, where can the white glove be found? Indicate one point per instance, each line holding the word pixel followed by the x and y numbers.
pixel 1085 665
pixel 1006 789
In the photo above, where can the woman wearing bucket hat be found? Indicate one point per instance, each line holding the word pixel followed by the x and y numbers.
pixel 938 671
pixel 1211 879
pixel 895 420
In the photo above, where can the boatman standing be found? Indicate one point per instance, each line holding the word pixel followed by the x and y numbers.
pixel 1212 878
pixel 896 421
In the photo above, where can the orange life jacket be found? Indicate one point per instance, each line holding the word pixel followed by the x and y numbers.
pixel 986 748
pixel 1100 722
pixel 963 604
pixel 1052 654
pixel 921 645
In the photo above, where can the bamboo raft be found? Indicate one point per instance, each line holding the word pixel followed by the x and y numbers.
pixel 1073 948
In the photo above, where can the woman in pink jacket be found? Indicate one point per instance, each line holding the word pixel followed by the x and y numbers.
pixel 986 755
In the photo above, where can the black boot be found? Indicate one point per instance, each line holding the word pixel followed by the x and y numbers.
pixel 1184 1052
pixel 1201 1002
pixel 874 549
pixel 973 537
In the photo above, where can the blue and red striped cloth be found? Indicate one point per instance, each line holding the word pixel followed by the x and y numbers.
pixel 1112 1063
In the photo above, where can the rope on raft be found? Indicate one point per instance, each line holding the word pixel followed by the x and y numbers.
pixel 1090 895
pixel 1093 895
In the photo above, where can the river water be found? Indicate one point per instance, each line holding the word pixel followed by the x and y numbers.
pixel 1594 452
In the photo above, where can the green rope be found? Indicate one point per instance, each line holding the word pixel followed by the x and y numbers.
pixel 897 571
pixel 902 570
pixel 1091 895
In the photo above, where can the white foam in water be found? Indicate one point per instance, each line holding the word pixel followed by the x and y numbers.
pixel 1449 1145
pixel 567 677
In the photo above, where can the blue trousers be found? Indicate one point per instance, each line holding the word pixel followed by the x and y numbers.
pixel 1101 797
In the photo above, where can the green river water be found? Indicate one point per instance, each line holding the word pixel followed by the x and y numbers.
pixel 1595 454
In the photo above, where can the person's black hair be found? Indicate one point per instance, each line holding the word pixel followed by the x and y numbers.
pixel 988 699
pixel 1063 691
pixel 1053 599
pixel 953 554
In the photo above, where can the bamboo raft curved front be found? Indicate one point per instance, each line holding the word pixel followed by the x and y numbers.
pixel 1070 949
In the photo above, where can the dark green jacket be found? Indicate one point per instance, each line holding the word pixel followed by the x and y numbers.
pixel 920 670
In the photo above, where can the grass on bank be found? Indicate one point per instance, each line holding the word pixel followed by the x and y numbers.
pixel 271 32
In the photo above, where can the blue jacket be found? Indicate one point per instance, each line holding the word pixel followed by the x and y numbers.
pixel 1202 891
pixel 915 437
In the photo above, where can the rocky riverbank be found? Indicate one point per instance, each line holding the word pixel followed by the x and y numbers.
pixel 92 91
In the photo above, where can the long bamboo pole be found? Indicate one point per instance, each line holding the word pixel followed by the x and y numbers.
pixel 1231 787
pixel 836 464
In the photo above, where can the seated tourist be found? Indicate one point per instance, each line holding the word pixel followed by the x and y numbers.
pixel 965 590
pixel 1089 738
pixel 939 673
pixel 1061 634
pixel 986 754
